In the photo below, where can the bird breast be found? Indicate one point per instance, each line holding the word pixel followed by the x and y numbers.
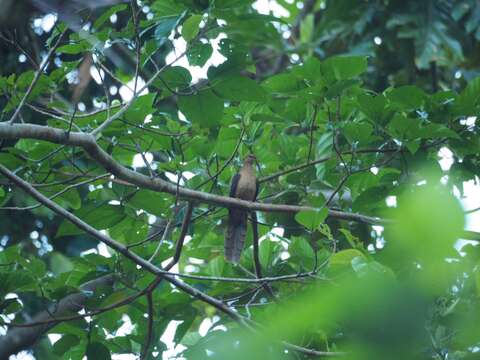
pixel 246 187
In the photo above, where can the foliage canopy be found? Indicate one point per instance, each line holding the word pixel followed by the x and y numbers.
pixel 123 125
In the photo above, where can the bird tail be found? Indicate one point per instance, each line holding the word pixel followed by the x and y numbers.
pixel 235 235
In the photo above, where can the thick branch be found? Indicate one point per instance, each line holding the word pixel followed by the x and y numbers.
pixel 88 143
pixel 192 291
pixel 45 320
pixel 21 338
pixel 117 246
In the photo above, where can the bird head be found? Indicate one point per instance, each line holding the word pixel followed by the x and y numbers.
pixel 250 159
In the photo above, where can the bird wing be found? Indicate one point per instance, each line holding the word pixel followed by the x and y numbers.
pixel 257 185
pixel 233 185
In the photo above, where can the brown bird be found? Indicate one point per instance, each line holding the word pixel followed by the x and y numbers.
pixel 244 186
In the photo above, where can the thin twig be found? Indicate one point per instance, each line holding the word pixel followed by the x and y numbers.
pixel 60 113
pixel 162 239
pixel 256 257
pixel 312 127
pixel 57 319
pixel 321 160
pixel 71 120
pixel 64 190
pixel 133 5
pixel 154 131
pixel 15 42
pixel 149 326
pixel 105 89
pixel 127 105
pixel 226 163
pixel 55 116
pixel 337 189
pixel 183 232
pixel 145 161
pixel 37 75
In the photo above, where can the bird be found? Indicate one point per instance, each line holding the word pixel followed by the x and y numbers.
pixel 244 185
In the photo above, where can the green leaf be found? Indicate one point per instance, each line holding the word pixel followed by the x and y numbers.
pixel 339 87
pixel 371 198
pixel 199 53
pixel 42 85
pixel 9 255
pixel 325 230
pixel 65 343
pixel 36 266
pixel 347 67
pixel 97 351
pixel 267 118
pixel 59 263
pixel 364 268
pixel 372 106
pixel 311 219
pixel 150 201
pixel 403 127
pixel 140 108
pixel 240 88
pixel 191 27
pixel 429 220
pixel 437 131
pixel 352 240
pixel 10 306
pixel 301 251
pixel 345 257
pixel 203 108
pixel 165 8
pixel 408 97
pixel 295 109
pixel 20 280
pixel 283 83
pixel 76 352
pixel 477 280
pixel 164 28
pixel 71 198
pixel 306 29
pixel 176 77
pixel 235 52
pixel 188 318
pixel 358 132
pixel 74 48
pixel 216 266
pixel 268 252
pixel 106 15
pixel 230 4
pixel 468 101
pixel 100 218
pixel 37 150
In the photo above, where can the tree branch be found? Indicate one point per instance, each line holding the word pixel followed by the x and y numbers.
pixel 256 256
pixel 192 291
pixel 150 326
pixel 64 190
pixel 116 245
pixel 181 239
pixel 127 105
pixel 37 75
pixel 88 143
pixel 18 339
pixel 319 161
